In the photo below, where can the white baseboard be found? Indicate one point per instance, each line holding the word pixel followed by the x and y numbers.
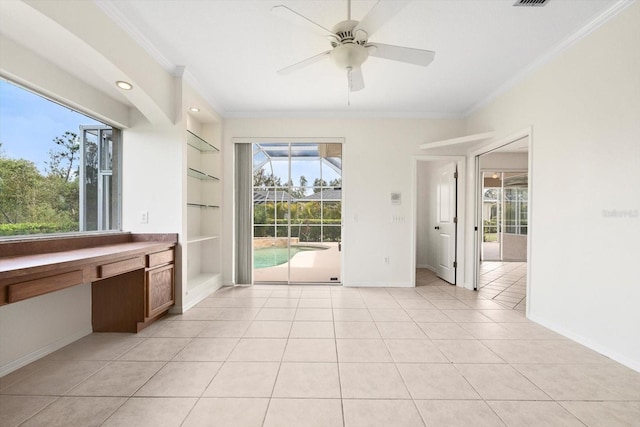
pixel 201 292
pixel 633 364
pixel 41 352
pixel 427 266
pixel 378 285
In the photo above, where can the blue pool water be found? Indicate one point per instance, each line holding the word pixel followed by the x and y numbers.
pixel 270 257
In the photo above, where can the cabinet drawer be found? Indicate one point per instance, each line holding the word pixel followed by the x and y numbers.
pixel 119 267
pixel 159 287
pixel 160 258
pixel 33 288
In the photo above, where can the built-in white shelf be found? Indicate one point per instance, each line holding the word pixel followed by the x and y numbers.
pixel 202 238
pixel 200 144
pixel 201 252
pixel 200 205
pixel 194 173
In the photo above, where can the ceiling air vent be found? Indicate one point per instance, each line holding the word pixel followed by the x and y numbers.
pixel 531 2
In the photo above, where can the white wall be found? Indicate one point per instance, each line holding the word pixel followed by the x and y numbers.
pixel 423 213
pixel 584 109
pixel 38 326
pixel 152 176
pixel 378 159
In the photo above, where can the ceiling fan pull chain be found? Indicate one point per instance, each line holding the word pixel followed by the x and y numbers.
pixel 349 85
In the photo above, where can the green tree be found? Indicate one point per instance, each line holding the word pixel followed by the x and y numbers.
pixel 262 179
pixel 62 158
pixel 298 193
pixel 318 182
pixel 19 184
pixel 32 202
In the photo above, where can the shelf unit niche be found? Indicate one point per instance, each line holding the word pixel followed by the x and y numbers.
pixel 201 248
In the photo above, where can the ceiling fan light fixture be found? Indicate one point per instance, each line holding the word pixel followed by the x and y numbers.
pixel 349 55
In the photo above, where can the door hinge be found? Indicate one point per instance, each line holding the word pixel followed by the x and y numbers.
pixel 475 228
pixel 455 174
pixel 455 264
pixel 455 219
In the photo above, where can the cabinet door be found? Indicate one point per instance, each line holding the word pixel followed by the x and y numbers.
pixel 159 290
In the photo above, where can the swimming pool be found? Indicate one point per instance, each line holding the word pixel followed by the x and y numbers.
pixel 270 257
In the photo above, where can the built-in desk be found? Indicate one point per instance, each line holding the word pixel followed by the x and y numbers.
pixel 132 275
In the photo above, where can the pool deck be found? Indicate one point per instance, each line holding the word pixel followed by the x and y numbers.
pixel 306 267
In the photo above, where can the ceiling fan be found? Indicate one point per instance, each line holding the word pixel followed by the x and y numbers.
pixel 350 45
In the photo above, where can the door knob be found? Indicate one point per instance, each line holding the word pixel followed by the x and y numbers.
pixel 436 227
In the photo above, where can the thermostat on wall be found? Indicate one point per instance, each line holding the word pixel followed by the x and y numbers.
pixel 396 198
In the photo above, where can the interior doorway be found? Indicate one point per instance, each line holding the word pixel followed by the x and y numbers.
pixel 504 215
pixel 439 240
pixel 297 212
pixel 503 209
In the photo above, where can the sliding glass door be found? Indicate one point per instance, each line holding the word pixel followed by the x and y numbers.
pixel 297 212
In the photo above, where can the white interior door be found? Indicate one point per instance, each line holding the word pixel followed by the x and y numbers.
pixel 446 218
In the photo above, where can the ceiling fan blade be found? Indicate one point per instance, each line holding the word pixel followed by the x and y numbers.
pixel 402 54
pixel 304 63
pixel 356 81
pixel 301 20
pixel 379 14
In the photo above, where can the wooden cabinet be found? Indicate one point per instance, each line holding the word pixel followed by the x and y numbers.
pixel 132 300
pixel 159 290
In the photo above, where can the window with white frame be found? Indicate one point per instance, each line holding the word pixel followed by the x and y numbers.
pixel 59 169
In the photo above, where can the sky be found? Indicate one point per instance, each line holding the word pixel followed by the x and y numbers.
pixel 29 123
pixel 310 169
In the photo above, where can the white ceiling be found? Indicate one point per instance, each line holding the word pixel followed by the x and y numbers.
pixel 233 48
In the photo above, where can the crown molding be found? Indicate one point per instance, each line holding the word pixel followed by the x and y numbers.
pixel 123 22
pixel 340 115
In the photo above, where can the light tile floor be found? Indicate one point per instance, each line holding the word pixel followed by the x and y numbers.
pixel 504 283
pixel 435 355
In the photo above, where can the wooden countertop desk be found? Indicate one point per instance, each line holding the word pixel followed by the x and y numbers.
pixel 132 275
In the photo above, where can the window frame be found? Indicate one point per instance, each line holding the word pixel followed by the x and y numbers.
pixel 117 164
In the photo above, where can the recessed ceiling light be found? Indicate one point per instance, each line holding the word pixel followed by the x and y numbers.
pixel 194 109
pixel 124 85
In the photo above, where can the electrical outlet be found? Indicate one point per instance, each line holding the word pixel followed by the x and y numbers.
pixel 386 259
pixel 144 217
